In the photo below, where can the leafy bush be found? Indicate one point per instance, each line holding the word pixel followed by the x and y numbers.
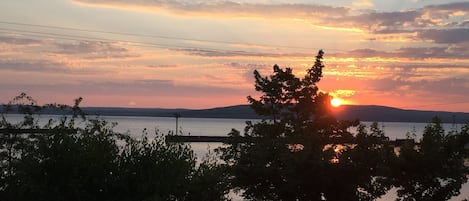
pixel 63 161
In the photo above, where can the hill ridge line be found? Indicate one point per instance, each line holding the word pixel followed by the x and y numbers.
pixel 376 113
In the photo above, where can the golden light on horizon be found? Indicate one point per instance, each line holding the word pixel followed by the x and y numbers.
pixel 336 102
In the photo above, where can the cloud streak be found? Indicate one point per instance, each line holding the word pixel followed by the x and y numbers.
pixel 231 8
pixel 235 53
pixel 449 52
pixel 15 40
pixel 459 35
pixel 156 88
pixel 94 50
pixel 33 66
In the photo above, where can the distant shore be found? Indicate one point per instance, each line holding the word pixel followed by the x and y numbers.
pixel 345 112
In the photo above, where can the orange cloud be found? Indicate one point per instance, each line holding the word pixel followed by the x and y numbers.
pixel 363 3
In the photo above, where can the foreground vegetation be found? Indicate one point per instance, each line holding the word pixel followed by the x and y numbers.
pixel 63 161
pixel 299 152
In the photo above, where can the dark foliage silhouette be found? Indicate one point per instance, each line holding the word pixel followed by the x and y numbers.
pixel 60 160
pixel 434 170
pixel 301 152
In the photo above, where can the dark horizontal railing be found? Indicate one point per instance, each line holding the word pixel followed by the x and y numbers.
pixel 201 138
pixel 195 138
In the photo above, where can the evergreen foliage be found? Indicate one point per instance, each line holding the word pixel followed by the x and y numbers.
pixel 434 170
pixel 301 152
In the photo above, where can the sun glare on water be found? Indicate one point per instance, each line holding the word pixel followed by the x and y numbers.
pixel 335 102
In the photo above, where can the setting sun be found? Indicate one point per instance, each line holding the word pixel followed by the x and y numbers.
pixel 335 102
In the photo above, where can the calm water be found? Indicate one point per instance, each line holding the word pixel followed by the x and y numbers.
pixel 221 127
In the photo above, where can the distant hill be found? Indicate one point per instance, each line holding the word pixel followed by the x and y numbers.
pixel 390 114
pixel 362 112
pixel 230 112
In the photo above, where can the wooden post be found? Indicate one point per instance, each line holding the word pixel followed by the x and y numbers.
pixel 177 115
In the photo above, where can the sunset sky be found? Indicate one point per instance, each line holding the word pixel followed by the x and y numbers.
pixel 411 54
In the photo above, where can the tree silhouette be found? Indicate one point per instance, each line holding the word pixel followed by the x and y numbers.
pixel 434 170
pixel 300 151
